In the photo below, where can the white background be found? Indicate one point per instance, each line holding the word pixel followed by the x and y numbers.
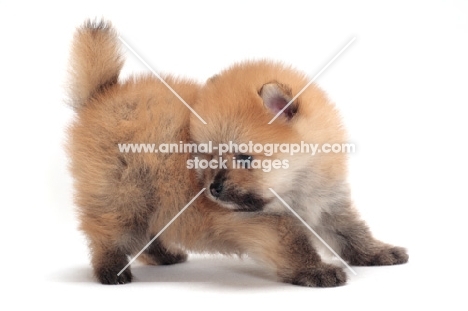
pixel 401 88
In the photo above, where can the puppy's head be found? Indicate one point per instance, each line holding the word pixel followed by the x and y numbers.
pixel 250 152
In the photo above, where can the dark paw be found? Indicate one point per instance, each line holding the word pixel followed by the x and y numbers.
pixel 170 259
pixel 110 277
pixel 392 255
pixel 157 254
pixel 322 276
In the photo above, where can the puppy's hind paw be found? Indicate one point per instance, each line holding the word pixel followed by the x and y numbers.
pixel 324 275
pixel 110 277
pixel 157 254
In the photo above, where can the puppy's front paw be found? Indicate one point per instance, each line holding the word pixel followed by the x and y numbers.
pixel 324 275
pixel 392 255
pixel 108 276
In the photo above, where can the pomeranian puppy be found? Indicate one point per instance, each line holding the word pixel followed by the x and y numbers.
pixel 126 199
pixel 238 105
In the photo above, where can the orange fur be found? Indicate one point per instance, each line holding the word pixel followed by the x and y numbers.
pixel 124 199
pixel 238 105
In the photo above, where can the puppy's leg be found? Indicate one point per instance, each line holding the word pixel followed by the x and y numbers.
pixel 355 241
pixel 158 254
pixel 281 242
pixel 108 261
pixel 111 242
pixel 276 240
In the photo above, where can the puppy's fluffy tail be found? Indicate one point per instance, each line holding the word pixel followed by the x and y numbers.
pixel 96 61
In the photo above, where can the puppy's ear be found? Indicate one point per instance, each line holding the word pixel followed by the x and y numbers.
pixel 275 97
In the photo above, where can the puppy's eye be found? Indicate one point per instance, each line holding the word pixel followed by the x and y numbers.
pixel 244 157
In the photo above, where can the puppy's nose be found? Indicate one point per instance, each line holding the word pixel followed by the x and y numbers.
pixel 216 188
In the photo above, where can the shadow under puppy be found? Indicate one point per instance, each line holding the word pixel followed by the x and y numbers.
pixel 124 199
